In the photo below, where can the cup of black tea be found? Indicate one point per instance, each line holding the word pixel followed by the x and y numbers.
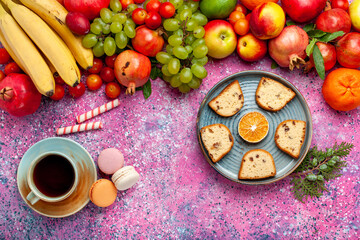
pixel 52 177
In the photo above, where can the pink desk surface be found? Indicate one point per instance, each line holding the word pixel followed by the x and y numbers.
pixel 180 196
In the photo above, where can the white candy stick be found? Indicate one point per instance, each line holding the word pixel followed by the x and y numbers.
pixel 79 128
pixel 104 108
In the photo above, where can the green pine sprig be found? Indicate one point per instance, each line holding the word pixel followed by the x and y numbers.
pixel 317 168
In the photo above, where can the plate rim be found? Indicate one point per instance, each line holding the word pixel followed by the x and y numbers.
pixel 254 72
pixel 39 143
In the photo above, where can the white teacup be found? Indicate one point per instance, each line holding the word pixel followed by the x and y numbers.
pixel 52 177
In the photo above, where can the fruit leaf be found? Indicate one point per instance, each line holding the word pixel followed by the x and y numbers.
pixel 310 48
pixel 147 89
pixel 289 23
pixel 316 33
pixel 274 65
pixel 331 36
pixel 319 62
pixel 309 27
pixel 155 73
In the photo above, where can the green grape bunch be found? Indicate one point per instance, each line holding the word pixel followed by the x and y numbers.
pixel 318 167
pixel 110 33
pixel 182 64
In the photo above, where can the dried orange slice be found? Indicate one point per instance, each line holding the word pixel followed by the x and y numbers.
pixel 253 127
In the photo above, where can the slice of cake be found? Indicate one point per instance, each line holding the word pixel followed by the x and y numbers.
pixel 272 95
pixel 217 140
pixel 289 136
pixel 229 101
pixel 257 164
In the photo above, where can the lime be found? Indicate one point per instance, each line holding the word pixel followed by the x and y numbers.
pixel 217 8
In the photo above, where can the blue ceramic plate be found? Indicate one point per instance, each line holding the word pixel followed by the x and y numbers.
pixel 296 109
pixel 87 176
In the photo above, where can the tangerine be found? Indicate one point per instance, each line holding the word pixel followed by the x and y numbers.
pixel 341 89
pixel 253 127
pixel 251 4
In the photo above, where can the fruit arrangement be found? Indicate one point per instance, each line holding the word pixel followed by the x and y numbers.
pixel 173 40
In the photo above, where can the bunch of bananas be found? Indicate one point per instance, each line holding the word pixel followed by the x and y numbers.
pixel 37 38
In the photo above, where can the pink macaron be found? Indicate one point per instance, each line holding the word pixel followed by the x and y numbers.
pixel 110 160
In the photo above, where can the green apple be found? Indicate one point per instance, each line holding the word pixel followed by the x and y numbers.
pixel 217 8
pixel 220 38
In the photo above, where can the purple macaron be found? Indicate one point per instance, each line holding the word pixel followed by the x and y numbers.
pixel 110 160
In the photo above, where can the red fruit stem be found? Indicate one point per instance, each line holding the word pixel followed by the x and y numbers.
pixel 6 94
pixel 131 88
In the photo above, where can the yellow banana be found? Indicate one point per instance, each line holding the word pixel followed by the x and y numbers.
pixel 54 14
pixel 25 52
pixel 48 42
pixel 10 51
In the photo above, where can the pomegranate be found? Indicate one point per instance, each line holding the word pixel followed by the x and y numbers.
pixel 288 49
pixel 90 8
pixel 334 20
pixel 147 41
pixel 132 70
pixel 328 53
pixel 348 50
pixel 303 10
pixel 18 95
pixel 343 4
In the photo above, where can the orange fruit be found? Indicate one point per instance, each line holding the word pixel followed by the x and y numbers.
pixel 251 4
pixel 234 16
pixel 341 89
pixel 253 127
pixel 241 27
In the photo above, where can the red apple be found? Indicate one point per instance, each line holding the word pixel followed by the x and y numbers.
pixel 267 21
pixel 220 38
pixel 250 48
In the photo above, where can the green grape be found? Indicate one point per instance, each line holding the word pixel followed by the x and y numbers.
pixel 194 83
pixel 197 42
pixel 200 51
pixel 163 57
pixel 130 22
pixel 175 81
pixel 101 22
pixel 165 71
pixel 109 46
pixel 185 75
pixel 98 49
pixel 180 52
pixel 169 49
pixel 175 40
pixel 131 7
pixel 106 29
pixel 115 27
pixel 188 49
pixel 106 15
pixel 184 88
pixel 119 17
pixel 200 18
pixel 189 39
pixel 194 6
pixel 171 24
pixel 311 177
pixel 199 32
pixel 129 31
pixel 182 8
pixel 177 3
pixel 179 32
pixel 199 71
pixel 166 78
pixel 191 25
pixel 174 66
pixel 121 40
pixel 200 61
pixel 96 28
pixel 89 40
pixel 185 14
pixel 115 5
